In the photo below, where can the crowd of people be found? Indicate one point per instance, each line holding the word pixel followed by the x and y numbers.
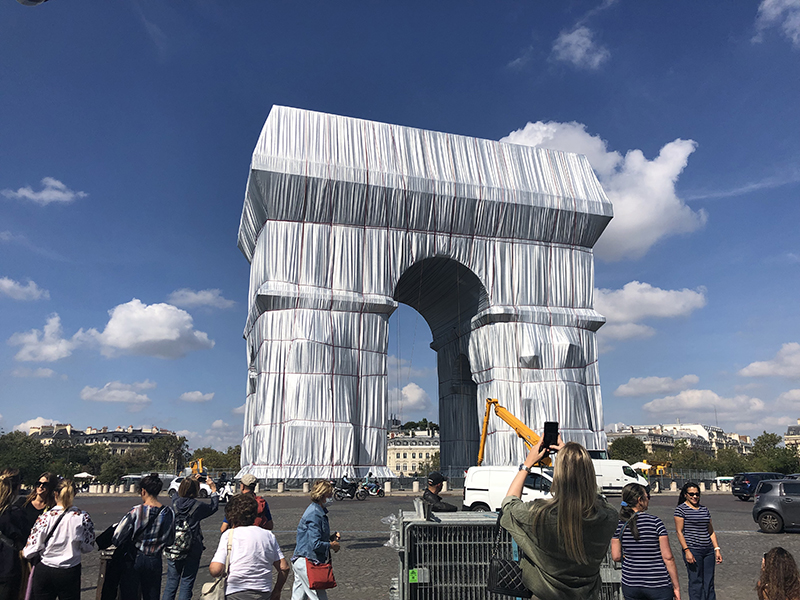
pixel 562 541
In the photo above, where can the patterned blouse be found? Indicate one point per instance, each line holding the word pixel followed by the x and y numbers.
pixel 73 536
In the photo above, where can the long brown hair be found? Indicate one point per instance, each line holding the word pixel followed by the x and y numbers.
pixel 779 579
pixel 9 488
pixel 632 494
pixel 574 493
pixel 50 493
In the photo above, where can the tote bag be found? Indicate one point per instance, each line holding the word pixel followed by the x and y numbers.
pixel 320 576
pixel 505 576
pixel 215 590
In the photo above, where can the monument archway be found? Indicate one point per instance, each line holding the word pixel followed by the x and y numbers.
pixel 343 219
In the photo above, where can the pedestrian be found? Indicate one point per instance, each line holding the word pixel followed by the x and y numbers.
pixel 41 498
pixel 13 528
pixel 698 542
pixel 254 554
pixel 642 545
pixel 314 541
pixel 58 539
pixel 779 579
pixel 565 538
pixel 182 571
pixel 144 532
pixel 247 485
pixel 431 495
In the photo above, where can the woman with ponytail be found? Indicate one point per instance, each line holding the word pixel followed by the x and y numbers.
pixel 57 541
pixel 12 535
pixel 641 543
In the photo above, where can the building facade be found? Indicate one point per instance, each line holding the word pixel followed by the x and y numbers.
pixel 702 438
pixel 407 453
pixel 119 441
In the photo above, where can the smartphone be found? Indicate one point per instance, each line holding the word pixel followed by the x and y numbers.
pixel 550 433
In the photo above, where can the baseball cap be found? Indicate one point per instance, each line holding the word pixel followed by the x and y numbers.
pixel 249 480
pixel 435 478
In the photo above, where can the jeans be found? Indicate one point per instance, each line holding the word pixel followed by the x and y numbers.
pixel 50 583
pixel 182 573
pixel 630 592
pixel 145 575
pixel 701 574
pixel 300 588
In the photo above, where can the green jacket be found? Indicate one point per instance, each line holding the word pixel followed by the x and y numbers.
pixel 547 571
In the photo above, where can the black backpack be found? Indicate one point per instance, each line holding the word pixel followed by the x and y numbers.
pixel 183 537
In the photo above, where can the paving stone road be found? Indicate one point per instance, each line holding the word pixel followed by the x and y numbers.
pixel 364 567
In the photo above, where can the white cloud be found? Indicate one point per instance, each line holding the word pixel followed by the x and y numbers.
pixel 36 373
pixel 790 399
pixel 190 299
pixel 404 369
pixel 578 48
pixel 46 345
pixel 17 291
pixel 52 191
pixel 197 397
pixel 704 402
pixel 411 399
pixel 636 301
pixel 37 422
pixel 786 363
pixel 646 207
pixel 221 435
pixel 779 13
pixel 646 386
pixel 118 392
pixel 160 330
pixel 239 410
pixel 766 423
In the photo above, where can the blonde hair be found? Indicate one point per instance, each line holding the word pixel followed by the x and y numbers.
pixel 320 490
pixel 574 493
pixel 65 493
pixel 9 487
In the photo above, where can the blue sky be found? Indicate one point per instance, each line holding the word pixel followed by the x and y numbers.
pixel 126 134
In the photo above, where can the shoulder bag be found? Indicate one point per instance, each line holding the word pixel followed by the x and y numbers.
pixel 505 575
pixel 215 590
pixel 320 576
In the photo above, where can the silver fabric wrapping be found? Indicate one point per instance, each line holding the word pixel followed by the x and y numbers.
pixel 491 243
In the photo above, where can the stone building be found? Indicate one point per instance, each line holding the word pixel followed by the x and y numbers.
pixel 119 441
pixel 408 453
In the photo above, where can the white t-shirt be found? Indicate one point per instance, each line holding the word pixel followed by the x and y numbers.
pixel 253 551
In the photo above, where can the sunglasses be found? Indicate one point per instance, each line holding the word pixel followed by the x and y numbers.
pixel 42 484
pixel 695 494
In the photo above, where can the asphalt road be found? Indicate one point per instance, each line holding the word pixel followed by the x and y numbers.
pixel 364 568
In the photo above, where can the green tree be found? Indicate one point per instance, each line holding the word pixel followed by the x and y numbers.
pixel 729 462
pixel 98 454
pixel 629 448
pixel 26 454
pixel 430 464
pixel 769 456
pixel 684 457
pixel 168 452
pixel 112 470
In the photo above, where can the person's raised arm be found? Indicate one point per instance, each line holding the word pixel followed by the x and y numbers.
pixel 535 455
pixel 669 561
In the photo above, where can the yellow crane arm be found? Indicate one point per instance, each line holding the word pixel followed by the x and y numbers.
pixel 523 431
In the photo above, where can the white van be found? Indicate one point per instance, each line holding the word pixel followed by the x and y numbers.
pixel 613 475
pixel 486 487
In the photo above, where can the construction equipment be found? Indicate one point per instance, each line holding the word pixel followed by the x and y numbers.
pixel 526 433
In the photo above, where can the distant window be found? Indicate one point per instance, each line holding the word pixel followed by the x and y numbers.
pixel 427 455
pixel 413 455
pixel 413 466
pixel 405 467
pixel 405 455
pixel 629 472
pixel 398 455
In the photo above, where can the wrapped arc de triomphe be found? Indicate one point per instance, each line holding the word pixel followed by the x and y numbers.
pixel 492 243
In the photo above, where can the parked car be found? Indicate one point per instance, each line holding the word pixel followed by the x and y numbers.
pixel 613 475
pixel 777 504
pixel 744 484
pixel 485 487
pixel 205 489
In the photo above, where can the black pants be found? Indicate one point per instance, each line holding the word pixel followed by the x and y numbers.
pixel 9 590
pixel 50 583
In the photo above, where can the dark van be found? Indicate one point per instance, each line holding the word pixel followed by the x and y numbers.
pixel 744 484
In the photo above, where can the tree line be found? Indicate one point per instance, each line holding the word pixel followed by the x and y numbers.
pixel 767 455
pixel 164 453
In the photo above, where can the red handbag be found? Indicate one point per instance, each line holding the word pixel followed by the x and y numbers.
pixel 320 577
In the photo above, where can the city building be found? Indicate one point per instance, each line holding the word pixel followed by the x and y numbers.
pixel 792 437
pixel 119 441
pixel 703 438
pixel 408 451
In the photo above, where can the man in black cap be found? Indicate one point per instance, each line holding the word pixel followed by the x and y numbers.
pixel 432 497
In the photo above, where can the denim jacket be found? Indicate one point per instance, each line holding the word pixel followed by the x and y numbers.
pixel 314 534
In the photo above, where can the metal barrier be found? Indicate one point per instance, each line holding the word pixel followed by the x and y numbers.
pixel 449 559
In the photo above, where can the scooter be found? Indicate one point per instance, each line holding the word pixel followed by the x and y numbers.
pixel 226 491
pixel 375 490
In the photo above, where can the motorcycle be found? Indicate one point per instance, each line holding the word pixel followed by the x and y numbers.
pixel 226 491
pixel 375 490
pixel 344 490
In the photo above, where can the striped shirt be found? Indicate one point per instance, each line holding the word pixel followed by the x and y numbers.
pixel 695 525
pixel 642 563
pixel 152 527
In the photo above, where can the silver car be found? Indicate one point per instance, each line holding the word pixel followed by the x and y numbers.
pixel 777 505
